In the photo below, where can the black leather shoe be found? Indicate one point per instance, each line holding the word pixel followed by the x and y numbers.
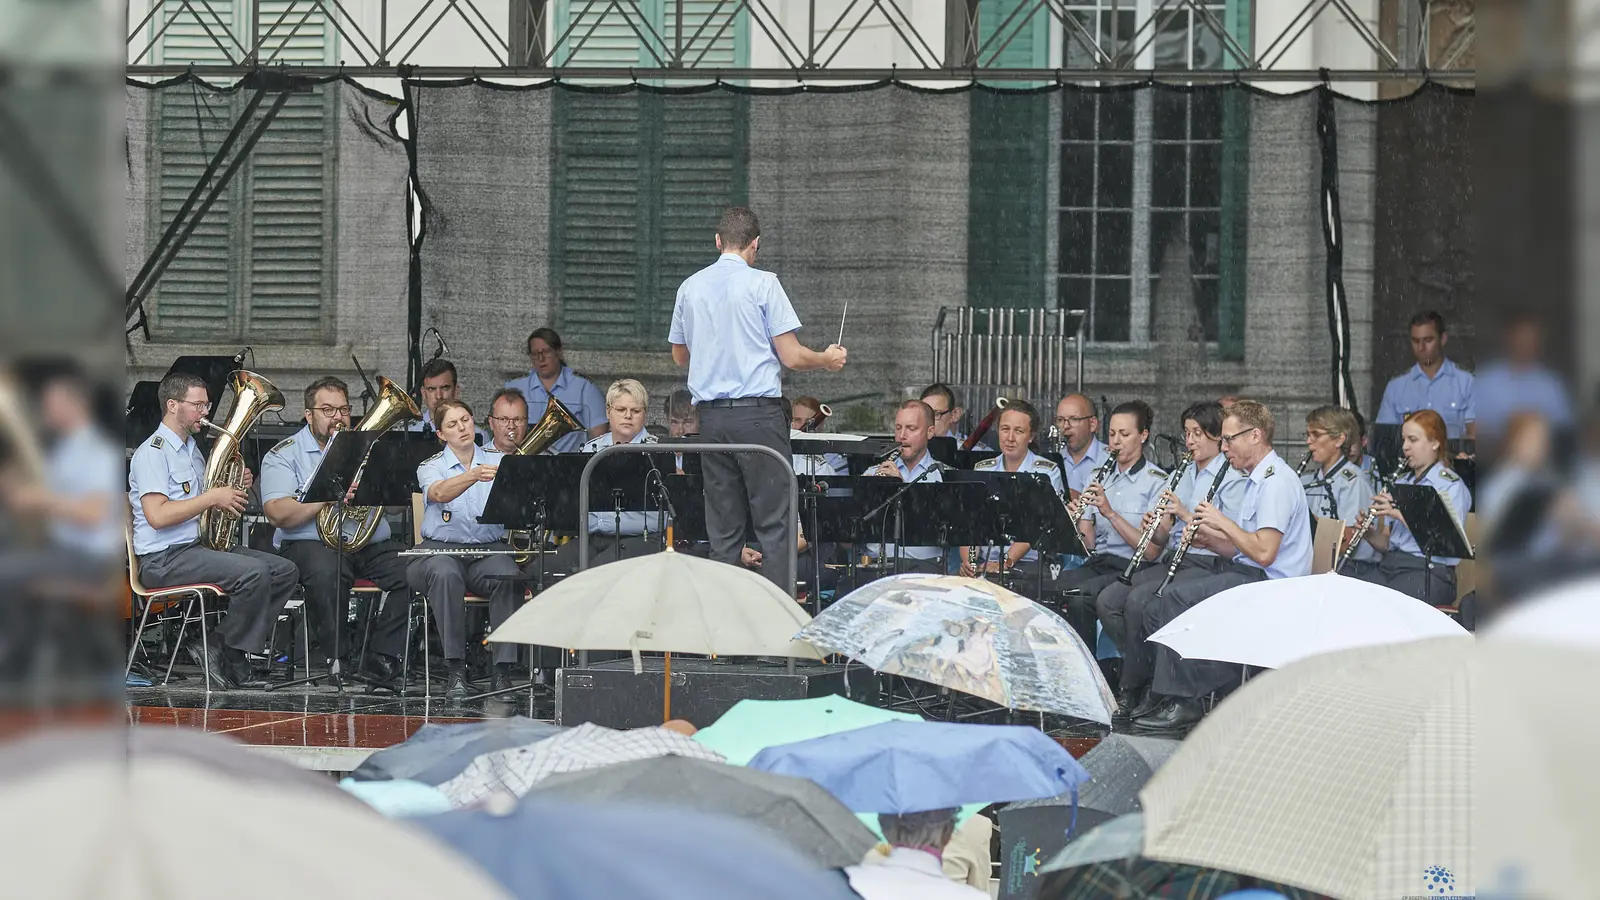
pixel 1127 702
pixel 238 669
pixel 380 667
pixel 1178 714
pixel 219 674
pixel 455 683
pixel 501 679
pixel 1148 703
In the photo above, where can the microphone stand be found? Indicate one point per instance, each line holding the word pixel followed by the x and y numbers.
pixel 899 520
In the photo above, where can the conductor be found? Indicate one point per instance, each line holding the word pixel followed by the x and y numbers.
pixel 734 327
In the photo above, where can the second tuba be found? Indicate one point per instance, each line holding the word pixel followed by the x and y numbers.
pixel 252 396
pixel 393 407
pixel 556 423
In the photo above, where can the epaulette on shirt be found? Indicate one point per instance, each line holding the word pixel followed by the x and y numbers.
pixel 989 463
pixel 1270 470
pixel 1157 472
pixel 1045 464
pixel 281 445
pixel 1449 475
pixel 1349 474
pixel 434 457
pixel 158 442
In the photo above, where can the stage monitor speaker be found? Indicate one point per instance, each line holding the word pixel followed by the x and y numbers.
pixel 610 694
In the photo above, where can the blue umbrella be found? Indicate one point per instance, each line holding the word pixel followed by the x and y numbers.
pixel 901 767
pixel 554 851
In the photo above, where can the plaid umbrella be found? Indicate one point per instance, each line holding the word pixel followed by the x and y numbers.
pixel 1347 773
pixel 970 636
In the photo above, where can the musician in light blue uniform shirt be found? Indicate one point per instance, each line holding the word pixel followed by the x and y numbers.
pixel 913 427
pixel 1433 383
pixel 1270 539
pixel 1334 485
pixel 1403 567
pixel 633 532
pixel 455 485
pixel 1014 429
pixel 552 377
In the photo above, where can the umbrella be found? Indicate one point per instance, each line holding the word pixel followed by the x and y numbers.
pixel 398 798
pixel 970 636
pixel 800 812
pixel 751 726
pixel 1566 615
pixel 1104 864
pixel 588 746
pixel 1273 623
pixel 1118 766
pixel 901 767
pixel 552 851
pixel 669 602
pixel 1347 773
pixel 438 751
pixel 82 812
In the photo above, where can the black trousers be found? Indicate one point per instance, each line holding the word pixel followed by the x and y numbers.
pixel 1431 582
pixel 258 586
pixel 1174 675
pixel 1079 587
pixel 1120 608
pixel 603 548
pixel 327 589
pixel 444 580
pixel 746 491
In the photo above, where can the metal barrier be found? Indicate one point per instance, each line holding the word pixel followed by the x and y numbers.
pixel 793 519
pixel 1031 350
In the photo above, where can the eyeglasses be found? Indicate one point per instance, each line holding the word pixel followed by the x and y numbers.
pixel 627 410
pixel 541 354
pixel 331 411
pixel 1230 438
pixel 203 405
pixel 1312 434
pixel 1069 421
pixel 941 413
pixel 508 421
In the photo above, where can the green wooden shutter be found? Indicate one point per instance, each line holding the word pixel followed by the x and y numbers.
pixel 599 34
pixel 1008 172
pixel 598 199
pixel 703 164
pixel 291 239
pixel 713 32
pixel 194 299
pixel 1234 262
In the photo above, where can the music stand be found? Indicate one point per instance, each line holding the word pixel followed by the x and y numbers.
pixel 1030 511
pixel 924 514
pixel 1436 531
pixel 342 464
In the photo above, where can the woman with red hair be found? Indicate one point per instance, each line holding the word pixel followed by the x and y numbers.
pixel 1403 567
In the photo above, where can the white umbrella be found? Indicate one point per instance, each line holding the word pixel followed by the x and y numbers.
pixel 664 602
pixel 191 816
pixel 1273 623
pixel 1568 615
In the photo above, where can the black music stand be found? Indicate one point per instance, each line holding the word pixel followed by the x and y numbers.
pixel 343 462
pixel 1437 532
pixel 1029 511
pixel 923 513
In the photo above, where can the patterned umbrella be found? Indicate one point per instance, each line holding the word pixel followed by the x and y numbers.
pixel 970 636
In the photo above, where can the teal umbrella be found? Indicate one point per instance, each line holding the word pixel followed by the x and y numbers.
pixel 754 725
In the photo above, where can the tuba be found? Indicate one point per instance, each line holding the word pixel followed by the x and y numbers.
pixel 393 407
pixel 252 396
pixel 556 423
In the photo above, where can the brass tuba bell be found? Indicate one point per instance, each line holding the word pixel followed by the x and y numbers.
pixel 393 407
pixel 252 396
pixel 556 423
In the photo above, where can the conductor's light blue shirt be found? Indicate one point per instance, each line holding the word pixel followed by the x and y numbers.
pixel 728 314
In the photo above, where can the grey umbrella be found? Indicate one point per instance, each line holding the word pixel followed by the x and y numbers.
pixel 800 812
pixel 439 752
pixel 1033 831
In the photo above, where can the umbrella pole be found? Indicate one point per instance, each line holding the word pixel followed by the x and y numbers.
pixel 666 688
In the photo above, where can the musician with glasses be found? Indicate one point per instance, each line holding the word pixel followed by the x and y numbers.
pixel 633 532
pixel 1082 451
pixel 1268 538
pixel 947 413
pixel 455 486
pixel 326 574
pixel 552 377
pixel 913 426
pixel 1120 607
pixel 508 419
pixel 167 490
pixel 1403 567
pixel 1335 487
pixel 1108 513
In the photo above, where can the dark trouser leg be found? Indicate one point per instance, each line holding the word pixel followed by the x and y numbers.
pixel 749 488
pixel 1138 657
pixel 443 581
pixel 1174 675
pixel 327 591
pixel 495 577
pixel 258 585
pixel 1111 605
pixel 1414 576
pixel 1082 585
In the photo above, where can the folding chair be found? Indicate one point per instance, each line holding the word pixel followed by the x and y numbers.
pixel 195 594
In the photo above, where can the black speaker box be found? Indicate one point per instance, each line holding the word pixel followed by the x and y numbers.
pixel 610 694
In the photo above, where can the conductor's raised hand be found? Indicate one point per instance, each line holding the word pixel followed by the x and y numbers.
pixel 835 357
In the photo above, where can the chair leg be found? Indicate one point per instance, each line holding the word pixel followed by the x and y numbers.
pixel 205 644
pixel 177 643
pixel 405 656
pixel 427 661
pixel 138 634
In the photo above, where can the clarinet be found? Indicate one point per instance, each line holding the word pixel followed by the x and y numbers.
pixel 1191 531
pixel 1367 520
pixel 1301 469
pixel 1099 476
pixel 1149 532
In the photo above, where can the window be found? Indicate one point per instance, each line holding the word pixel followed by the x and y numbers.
pixel 260 265
pixel 1145 173
pixel 640 178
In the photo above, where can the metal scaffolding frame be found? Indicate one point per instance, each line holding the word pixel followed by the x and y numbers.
pixel 528 45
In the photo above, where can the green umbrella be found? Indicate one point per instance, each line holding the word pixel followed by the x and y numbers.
pixel 754 725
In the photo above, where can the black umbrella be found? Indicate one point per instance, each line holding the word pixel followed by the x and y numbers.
pixel 798 811
pixel 1033 831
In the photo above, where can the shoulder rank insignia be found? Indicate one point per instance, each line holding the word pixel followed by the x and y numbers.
pixel 1449 475
pixel 1270 470
pixel 1157 472
pixel 989 463
pixel 158 442
pixel 281 444
pixel 1046 464
pixel 1349 475
pixel 434 457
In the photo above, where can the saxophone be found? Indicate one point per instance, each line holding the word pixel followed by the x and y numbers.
pixel 394 406
pixel 252 396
